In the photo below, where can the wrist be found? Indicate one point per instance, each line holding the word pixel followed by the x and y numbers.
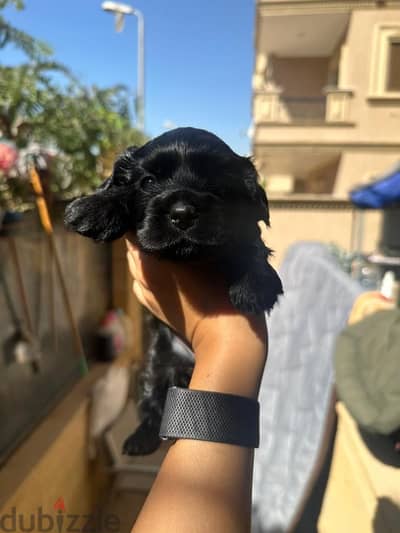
pixel 230 355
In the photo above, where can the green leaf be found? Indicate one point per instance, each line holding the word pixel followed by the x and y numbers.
pixel 19 4
pixel 33 48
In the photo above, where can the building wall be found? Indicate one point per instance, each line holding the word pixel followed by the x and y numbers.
pixel 375 120
pixel 53 463
pixel 362 166
pixel 369 142
pixel 313 221
pixel 301 77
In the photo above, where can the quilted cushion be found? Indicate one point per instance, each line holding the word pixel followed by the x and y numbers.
pixel 298 380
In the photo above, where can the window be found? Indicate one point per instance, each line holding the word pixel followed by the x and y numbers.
pixel 393 66
pixel 385 64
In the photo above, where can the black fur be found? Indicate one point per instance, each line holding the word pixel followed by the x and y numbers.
pixel 187 196
pixel 168 363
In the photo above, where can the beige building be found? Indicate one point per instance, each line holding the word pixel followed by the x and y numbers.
pixel 326 108
pixel 326 104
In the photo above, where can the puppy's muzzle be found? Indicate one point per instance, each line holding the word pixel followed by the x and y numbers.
pixel 183 215
pixel 184 209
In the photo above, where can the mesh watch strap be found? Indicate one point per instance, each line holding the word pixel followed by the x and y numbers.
pixel 210 416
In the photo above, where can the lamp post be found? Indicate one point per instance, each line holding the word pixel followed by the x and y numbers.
pixel 120 10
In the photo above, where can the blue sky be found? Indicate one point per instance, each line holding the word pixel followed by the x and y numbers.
pixel 199 56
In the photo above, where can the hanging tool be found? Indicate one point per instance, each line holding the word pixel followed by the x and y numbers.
pixel 26 344
pixel 48 228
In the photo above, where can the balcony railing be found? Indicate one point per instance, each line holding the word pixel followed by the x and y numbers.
pixel 270 106
pixel 309 110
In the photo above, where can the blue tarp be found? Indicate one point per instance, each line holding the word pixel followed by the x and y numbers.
pixel 379 194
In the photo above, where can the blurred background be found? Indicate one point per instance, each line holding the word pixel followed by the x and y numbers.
pixel 310 89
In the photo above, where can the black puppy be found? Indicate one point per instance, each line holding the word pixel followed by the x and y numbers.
pixel 187 196
pixel 168 363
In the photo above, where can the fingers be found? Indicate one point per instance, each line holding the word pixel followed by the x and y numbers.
pixel 132 264
pixel 137 290
pixel 135 264
pixel 147 298
pixel 142 294
pixel 140 286
pixel 141 291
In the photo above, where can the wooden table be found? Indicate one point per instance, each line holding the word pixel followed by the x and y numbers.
pixel 363 492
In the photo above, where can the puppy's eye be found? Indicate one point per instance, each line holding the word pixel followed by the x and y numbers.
pixel 147 182
pixel 120 180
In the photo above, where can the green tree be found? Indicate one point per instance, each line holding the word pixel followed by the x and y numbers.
pixel 33 48
pixel 84 126
pixel 25 92
pixel 90 126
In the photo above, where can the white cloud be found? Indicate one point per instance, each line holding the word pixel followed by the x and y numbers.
pixel 168 124
pixel 250 131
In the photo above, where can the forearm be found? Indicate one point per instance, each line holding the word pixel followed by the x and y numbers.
pixel 205 486
pixel 230 356
pixel 201 487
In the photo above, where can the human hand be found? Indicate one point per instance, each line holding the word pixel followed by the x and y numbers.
pixel 193 300
pixel 182 295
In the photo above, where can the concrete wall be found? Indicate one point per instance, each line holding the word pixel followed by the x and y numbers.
pixel 374 120
pixel 362 166
pixel 370 139
pixel 53 463
pixel 298 220
pixel 301 77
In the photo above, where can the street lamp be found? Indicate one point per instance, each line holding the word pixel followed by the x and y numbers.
pixel 120 10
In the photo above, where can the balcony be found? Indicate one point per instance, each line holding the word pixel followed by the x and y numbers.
pixel 274 108
pixel 287 31
pixel 305 110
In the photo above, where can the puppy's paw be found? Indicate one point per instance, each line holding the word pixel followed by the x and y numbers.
pixel 244 298
pixel 144 441
pixel 256 291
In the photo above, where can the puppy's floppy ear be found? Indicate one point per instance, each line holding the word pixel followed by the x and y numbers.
pixel 257 284
pixel 257 193
pixel 263 202
pixel 104 215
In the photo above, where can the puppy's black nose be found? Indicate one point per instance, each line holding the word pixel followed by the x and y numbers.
pixel 182 215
